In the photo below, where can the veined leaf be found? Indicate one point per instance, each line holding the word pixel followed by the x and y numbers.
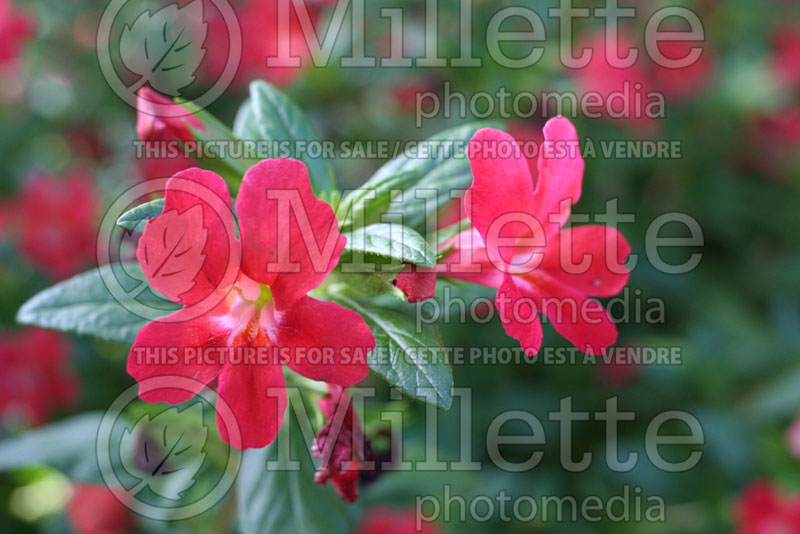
pixel 366 204
pixel 84 305
pixel 285 501
pixel 136 218
pixel 446 168
pixel 392 242
pixel 277 118
pixel 408 358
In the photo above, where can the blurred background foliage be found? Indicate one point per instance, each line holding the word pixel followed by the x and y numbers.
pixel 734 318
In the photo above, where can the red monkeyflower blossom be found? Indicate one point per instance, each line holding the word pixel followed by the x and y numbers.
pixel 762 510
pixel 57 222
pixel 381 520
pixel 16 27
pixel 93 509
pixel 518 245
pixel 35 380
pixel 185 253
pixel 156 129
pixel 350 445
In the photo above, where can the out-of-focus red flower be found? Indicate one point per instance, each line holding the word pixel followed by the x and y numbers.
pixel 518 246
pixel 35 380
pixel 627 92
pixel 16 27
pixel 261 31
pixel 57 222
pixel 350 445
pixel 762 510
pixel 786 54
pixel 623 91
pixel 684 82
pixel 263 306
pixel 776 139
pixel 162 135
pixel 381 520
pixel 93 509
pixel 616 373
pixel 793 438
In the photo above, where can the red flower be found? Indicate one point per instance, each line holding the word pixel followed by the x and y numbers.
pixel 683 82
pixel 793 438
pixel 388 521
pixel 518 244
pixel 348 446
pixel 16 27
pixel 157 128
pixel 35 380
pixel 261 31
pixel 93 509
pixel 623 90
pixel 786 55
pixel 627 92
pixel 58 223
pixel 762 510
pixel 266 307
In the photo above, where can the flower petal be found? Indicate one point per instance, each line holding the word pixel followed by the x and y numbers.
pixel 211 230
pixel 327 341
pixel 469 261
pixel 580 319
pixel 517 307
pixel 603 249
pixel 418 283
pixel 160 351
pixel 290 240
pixel 257 396
pixel 501 191
pixel 560 174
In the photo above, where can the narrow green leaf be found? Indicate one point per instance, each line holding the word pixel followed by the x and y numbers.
pixel 282 501
pixel 407 357
pixel 446 169
pixel 136 218
pixel 366 204
pixel 389 241
pixel 277 118
pixel 220 145
pixel 84 305
pixel 68 446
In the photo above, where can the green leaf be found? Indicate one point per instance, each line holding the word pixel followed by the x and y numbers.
pixel 215 136
pixel 68 446
pixel 366 204
pixel 447 169
pixel 136 218
pixel 84 305
pixel 277 118
pixel 408 358
pixel 244 125
pixel 284 501
pixel 777 399
pixel 392 242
